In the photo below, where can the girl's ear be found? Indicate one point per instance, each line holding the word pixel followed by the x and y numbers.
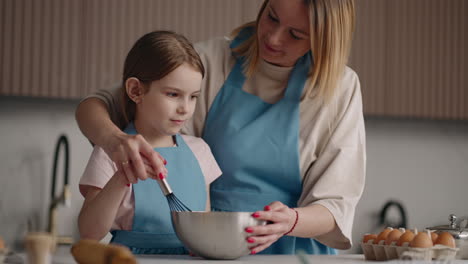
pixel 134 89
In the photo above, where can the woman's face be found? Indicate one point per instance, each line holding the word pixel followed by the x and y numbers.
pixel 283 32
pixel 170 101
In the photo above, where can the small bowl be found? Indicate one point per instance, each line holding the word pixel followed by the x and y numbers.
pixel 215 235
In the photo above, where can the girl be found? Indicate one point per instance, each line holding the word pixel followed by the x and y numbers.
pixel 161 84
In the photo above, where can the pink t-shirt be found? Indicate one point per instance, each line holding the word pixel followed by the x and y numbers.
pixel 101 168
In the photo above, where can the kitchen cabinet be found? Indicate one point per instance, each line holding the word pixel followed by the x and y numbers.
pixel 41 48
pixel 411 58
pixel 410 55
pixel 69 48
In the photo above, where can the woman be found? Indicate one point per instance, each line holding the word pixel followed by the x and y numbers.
pixel 283 116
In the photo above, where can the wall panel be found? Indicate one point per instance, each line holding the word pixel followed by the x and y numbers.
pixel 410 55
pixel 411 58
pixel 113 26
pixel 39 50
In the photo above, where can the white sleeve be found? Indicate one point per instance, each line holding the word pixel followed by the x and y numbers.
pixel 205 158
pixel 211 170
pixel 98 171
pixel 336 178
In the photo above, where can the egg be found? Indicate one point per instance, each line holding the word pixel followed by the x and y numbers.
pixel 383 235
pixel 393 236
pixel 446 239
pixel 421 240
pixel 368 237
pixel 407 236
pixel 434 237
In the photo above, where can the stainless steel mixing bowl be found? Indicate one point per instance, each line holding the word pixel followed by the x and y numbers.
pixel 215 235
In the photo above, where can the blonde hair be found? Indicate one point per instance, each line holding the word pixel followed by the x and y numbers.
pixel 152 57
pixel 332 25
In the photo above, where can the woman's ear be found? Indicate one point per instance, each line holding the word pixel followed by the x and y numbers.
pixel 134 89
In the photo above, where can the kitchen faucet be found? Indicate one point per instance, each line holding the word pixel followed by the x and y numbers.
pixel 65 197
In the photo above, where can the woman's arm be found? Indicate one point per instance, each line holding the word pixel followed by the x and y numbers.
pixel 310 221
pixel 129 152
pixel 314 220
pixel 100 208
pixel 95 123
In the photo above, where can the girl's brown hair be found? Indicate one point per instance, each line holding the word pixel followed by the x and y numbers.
pixel 332 25
pixel 154 56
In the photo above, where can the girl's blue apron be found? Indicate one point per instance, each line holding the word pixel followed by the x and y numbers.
pixel 256 145
pixel 152 231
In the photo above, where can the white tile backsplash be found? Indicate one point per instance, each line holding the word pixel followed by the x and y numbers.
pixel 29 131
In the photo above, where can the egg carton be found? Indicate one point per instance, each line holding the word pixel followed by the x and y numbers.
pixel 382 252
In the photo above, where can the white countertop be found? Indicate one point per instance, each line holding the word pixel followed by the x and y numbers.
pixel 63 256
pixel 256 259
pixel 261 259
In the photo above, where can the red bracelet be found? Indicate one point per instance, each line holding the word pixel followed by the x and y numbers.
pixel 295 223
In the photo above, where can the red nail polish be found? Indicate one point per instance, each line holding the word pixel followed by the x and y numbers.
pixel 253 252
pixel 248 230
pixel 267 208
pixel 128 184
pixel 255 214
pixel 161 176
pixel 250 240
pixel 165 162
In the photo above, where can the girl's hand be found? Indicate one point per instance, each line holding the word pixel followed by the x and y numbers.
pixel 135 158
pixel 280 220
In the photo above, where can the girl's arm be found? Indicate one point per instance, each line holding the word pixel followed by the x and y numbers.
pixel 100 207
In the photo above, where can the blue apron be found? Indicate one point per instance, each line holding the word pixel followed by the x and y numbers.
pixel 152 231
pixel 256 145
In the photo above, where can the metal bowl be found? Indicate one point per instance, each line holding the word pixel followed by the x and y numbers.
pixel 215 235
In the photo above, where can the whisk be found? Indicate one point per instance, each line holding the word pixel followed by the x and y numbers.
pixel 175 205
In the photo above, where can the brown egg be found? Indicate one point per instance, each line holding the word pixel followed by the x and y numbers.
pixel 446 239
pixel 368 237
pixel 434 237
pixel 394 235
pixel 407 236
pixel 383 235
pixel 421 240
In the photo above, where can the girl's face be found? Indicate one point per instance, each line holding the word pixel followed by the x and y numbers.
pixel 283 32
pixel 169 102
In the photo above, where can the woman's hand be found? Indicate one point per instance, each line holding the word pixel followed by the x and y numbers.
pixel 135 158
pixel 280 220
